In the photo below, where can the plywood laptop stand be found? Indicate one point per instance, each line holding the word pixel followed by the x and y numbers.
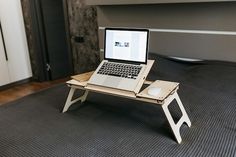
pixel 166 96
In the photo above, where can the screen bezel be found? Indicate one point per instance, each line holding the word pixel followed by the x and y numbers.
pixel 126 29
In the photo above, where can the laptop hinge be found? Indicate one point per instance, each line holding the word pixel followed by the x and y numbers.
pixel 125 62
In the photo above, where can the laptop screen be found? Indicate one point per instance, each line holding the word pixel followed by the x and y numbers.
pixel 126 44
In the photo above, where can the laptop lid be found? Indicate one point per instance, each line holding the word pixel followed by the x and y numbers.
pixel 126 45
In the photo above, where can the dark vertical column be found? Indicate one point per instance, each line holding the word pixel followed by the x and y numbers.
pixel 55 40
pixel 68 36
pixel 84 35
pixel 29 34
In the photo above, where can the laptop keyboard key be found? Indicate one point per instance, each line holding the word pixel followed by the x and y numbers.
pixel 120 70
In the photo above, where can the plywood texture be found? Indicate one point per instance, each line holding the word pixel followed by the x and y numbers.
pixel 83 77
pixel 166 89
pixel 83 22
pixel 28 28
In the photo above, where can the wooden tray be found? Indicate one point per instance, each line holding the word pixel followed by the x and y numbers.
pixel 166 89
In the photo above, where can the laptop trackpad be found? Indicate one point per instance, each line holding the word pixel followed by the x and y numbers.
pixel 112 81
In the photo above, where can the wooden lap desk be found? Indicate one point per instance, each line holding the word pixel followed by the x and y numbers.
pixel 166 96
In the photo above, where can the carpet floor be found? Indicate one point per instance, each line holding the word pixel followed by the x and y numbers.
pixel 110 126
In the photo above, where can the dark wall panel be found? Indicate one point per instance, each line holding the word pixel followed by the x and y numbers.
pixel 203 16
pixel 197 46
pixel 31 46
pixel 83 23
pixel 122 2
pixel 207 17
pixel 55 38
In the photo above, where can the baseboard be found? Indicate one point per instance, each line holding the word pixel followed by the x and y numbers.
pixel 7 86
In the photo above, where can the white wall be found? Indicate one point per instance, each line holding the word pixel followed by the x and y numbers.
pixel 4 74
pixel 15 40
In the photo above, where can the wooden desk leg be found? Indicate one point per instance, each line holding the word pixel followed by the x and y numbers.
pixel 69 100
pixel 185 115
pixel 176 127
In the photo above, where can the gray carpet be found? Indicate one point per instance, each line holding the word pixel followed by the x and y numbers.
pixel 110 126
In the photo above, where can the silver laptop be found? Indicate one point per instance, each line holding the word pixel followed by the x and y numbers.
pixel 125 59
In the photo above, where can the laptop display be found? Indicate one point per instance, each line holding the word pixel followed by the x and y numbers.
pixel 126 44
pixel 125 65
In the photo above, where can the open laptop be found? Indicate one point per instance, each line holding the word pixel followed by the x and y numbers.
pixel 125 59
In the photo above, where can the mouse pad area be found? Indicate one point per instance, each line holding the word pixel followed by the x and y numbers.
pixel 166 88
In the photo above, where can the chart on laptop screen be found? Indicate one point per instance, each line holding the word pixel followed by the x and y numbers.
pixel 127 45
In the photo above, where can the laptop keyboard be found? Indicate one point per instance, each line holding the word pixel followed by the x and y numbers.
pixel 120 70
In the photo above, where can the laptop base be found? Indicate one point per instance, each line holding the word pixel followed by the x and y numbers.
pixel 135 89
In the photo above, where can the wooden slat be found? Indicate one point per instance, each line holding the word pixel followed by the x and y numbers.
pixel 111 91
pixel 77 83
pixel 145 74
pixel 83 77
pixel 148 82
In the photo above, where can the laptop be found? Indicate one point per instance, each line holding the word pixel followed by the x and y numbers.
pixel 125 59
